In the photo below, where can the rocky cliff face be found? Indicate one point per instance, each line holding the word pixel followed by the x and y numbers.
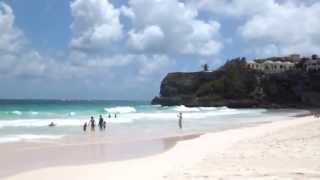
pixel 234 85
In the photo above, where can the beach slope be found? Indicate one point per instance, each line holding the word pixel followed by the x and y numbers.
pixel 279 150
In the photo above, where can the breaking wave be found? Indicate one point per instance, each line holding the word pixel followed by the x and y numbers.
pixel 121 109
pixel 16 112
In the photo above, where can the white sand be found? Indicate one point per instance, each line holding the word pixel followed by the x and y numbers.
pixel 280 150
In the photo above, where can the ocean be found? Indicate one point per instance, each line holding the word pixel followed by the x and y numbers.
pixel 28 120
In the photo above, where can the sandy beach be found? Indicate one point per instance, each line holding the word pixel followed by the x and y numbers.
pixel 287 149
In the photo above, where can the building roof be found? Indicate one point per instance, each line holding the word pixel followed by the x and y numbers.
pixel 268 62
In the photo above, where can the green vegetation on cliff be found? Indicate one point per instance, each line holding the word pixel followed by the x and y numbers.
pixel 235 85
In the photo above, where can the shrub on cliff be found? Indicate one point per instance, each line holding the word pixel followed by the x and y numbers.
pixel 233 81
pixel 235 85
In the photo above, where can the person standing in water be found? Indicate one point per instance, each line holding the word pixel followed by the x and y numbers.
pixel 180 120
pixel 101 123
pixel 92 123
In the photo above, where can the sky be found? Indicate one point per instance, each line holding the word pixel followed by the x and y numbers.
pixel 122 49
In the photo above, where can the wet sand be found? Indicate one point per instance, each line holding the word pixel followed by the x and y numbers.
pixel 26 156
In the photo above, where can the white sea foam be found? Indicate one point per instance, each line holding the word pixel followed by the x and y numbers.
pixel 34 113
pixel 121 109
pixel 183 108
pixel 72 114
pixel 155 105
pixel 188 113
pixel 119 120
pixel 58 122
pixel 130 115
pixel 16 112
pixel 208 108
pixel 27 137
pixel 40 122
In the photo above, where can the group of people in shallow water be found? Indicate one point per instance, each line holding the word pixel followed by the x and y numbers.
pixel 92 123
pixel 103 124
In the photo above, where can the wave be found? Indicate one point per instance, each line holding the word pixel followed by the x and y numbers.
pixel 40 122
pixel 208 108
pixel 119 120
pixel 16 112
pixel 130 115
pixel 28 137
pixel 59 122
pixel 183 108
pixel 34 113
pixel 121 109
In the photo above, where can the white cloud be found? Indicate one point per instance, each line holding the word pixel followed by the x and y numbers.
pixel 11 38
pixel 31 64
pixel 152 37
pixel 96 24
pixel 286 28
pixel 156 65
pixel 127 12
pixel 272 27
pixel 81 66
pixel 233 8
pixel 169 26
pixel 17 60
pixel 99 61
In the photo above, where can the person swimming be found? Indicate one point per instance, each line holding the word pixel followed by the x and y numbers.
pixel 52 124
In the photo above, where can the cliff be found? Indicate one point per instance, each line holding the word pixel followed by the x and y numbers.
pixel 235 85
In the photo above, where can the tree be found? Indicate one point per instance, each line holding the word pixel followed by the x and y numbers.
pixel 205 67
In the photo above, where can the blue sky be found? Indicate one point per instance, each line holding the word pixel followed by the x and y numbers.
pixel 110 49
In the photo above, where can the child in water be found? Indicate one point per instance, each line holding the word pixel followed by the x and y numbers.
pixel 104 125
pixel 180 120
pixel 85 126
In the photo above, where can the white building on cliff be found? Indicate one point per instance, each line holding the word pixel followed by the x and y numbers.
pixel 282 64
pixel 272 66
pixel 312 65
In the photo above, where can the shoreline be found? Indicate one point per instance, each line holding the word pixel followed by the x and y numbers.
pixel 183 155
pixel 27 156
pixel 88 145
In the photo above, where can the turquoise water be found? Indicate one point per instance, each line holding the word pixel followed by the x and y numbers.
pixel 25 120
pixel 47 109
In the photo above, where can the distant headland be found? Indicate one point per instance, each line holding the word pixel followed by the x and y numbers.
pixel 278 82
